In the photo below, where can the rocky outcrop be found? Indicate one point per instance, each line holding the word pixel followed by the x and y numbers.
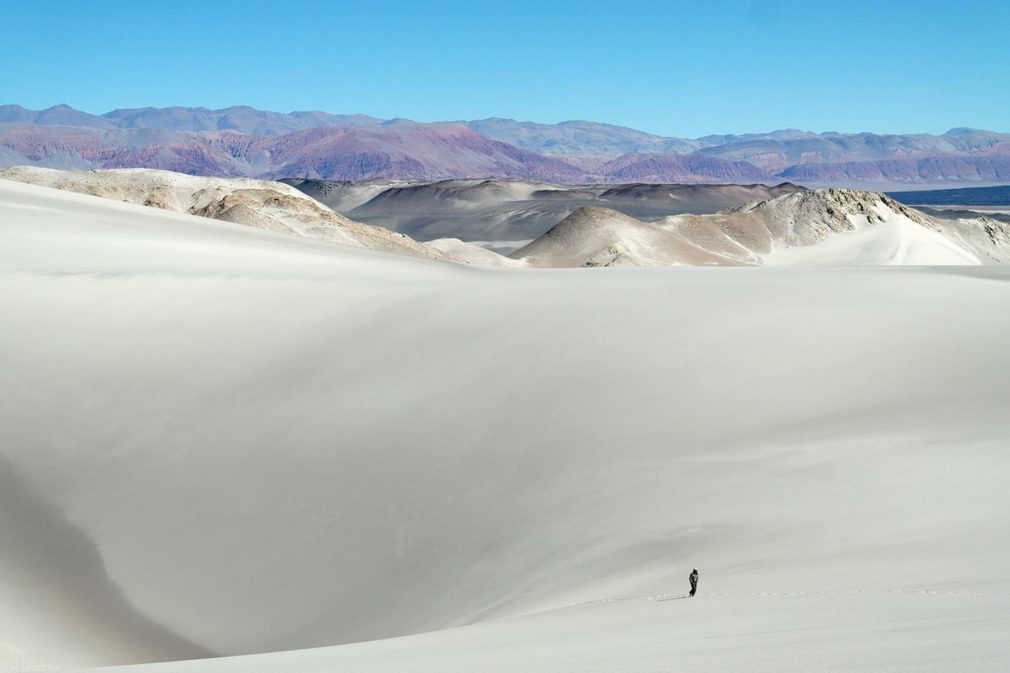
pixel 825 226
pixel 262 204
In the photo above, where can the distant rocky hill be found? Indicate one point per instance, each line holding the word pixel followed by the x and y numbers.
pixel 825 227
pixel 243 141
pixel 931 170
pixel 782 225
pixel 581 139
pixel 515 210
pixel 679 168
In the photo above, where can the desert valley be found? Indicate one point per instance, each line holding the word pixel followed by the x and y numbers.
pixel 641 385
pixel 380 436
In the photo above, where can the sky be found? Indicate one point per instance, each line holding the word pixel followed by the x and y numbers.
pixel 677 68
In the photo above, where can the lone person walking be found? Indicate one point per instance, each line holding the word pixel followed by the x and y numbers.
pixel 694 581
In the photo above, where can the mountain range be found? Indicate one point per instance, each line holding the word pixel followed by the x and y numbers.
pixel 245 142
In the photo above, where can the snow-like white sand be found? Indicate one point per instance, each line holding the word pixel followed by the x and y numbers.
pixel 895 239
pixel 251 442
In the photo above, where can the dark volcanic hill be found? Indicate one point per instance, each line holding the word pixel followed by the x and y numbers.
pixel 516 210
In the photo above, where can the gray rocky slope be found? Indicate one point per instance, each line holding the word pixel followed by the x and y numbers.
pixel 515 210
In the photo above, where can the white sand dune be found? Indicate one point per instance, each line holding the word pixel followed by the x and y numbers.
pixel 603 237
pixel 471 253
pixel 826 227
pixel 261 204
pixel 262 442
pixel 891 239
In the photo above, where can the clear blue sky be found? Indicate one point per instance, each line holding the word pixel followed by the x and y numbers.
pixel 684 68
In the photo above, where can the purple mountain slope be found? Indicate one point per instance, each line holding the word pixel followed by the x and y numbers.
pixel 244 141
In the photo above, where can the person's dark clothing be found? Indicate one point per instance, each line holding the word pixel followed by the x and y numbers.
pixel 694 581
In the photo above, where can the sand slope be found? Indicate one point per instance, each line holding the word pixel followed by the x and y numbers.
pixel 602 237
pixel 261 204
pixel 825 227
pixel 273 443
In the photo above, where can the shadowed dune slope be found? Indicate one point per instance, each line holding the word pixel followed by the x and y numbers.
pixel 272 442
